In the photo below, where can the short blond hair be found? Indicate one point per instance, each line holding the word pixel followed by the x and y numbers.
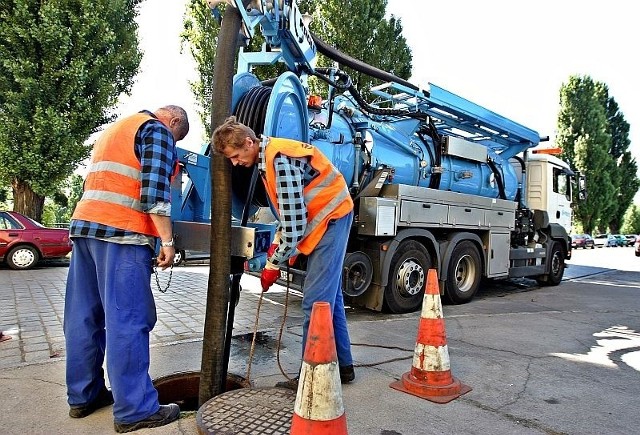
pixel 231 134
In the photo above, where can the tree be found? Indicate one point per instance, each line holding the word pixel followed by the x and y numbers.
pixel 200 32
pixel 584 138
pixel 631 221
pixel 63 65
pixel 377 37
pixel 61 207
pixel 336 22
pixel 625 176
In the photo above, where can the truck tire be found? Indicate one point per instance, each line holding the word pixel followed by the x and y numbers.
pixel 554 277
pixel 463 274
pixel 407 278
pixel 22 257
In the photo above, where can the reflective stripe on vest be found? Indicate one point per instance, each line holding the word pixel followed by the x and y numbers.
pixel 326 196
pixel 112 187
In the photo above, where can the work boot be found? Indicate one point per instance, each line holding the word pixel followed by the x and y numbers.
pixel 165 415
pixel 347 374
pixel 104 398
pixel 291 384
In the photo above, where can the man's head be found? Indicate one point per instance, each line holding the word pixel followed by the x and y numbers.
pixel 175 119
pixel 237 142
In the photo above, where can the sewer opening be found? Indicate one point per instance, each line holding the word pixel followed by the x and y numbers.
pixel 183 388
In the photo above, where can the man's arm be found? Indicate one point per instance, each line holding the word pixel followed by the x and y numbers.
pixel 292 208
pixel 164 227
pixel 157 156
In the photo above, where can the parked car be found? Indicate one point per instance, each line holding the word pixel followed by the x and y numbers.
pixel 620 240
pixel 631 239
pixel 636 246
pixel 605 240
pixel 582 241
pixel 600 240
pixel 24 242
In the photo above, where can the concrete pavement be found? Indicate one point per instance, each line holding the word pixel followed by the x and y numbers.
pixel 523 352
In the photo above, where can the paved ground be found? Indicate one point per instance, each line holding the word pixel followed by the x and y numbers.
pixel 540 361
pixel 33 306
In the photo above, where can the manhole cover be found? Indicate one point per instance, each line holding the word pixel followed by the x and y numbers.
pixel 248 412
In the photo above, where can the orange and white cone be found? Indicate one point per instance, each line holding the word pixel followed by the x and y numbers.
pixel 430 376
pixel 319 408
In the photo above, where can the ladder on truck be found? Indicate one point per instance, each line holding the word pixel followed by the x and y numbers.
pixel 457 116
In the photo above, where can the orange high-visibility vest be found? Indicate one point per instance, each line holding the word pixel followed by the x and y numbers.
pixel 112 188
pixel 326 197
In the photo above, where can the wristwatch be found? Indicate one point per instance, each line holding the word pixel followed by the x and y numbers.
pixel 168 244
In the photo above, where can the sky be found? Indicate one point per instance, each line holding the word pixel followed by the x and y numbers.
pixel 509 56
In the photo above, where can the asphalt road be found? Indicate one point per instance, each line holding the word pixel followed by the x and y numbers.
pixel 539 360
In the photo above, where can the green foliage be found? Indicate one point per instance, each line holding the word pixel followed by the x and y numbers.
pixel 594 136
pixel 200 33
pixel 359 28
pixel 61 207
pixel 63 65
pixel 631 221
pixel 583 137
pixel 377 37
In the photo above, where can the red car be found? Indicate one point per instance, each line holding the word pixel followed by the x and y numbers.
pixel 24 242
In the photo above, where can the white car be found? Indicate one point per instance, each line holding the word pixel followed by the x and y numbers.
pixel 600 241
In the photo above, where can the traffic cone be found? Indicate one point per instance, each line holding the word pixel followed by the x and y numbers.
pixel 318 408
pixel 430 376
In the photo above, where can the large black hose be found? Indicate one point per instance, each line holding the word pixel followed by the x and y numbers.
pixel 359 65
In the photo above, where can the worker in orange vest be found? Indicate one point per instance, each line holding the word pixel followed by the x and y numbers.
pixel 315 211
pixel 125 208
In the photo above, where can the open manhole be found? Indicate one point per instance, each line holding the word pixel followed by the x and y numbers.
pixel 183 388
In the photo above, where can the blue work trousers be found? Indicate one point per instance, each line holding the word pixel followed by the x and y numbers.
pixel 323 283
pixel 109 306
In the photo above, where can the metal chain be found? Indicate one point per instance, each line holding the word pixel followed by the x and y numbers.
pixel 155 272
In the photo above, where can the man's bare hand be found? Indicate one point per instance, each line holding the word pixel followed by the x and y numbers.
pixel 166 256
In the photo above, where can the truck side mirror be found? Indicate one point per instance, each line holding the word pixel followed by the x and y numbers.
pixel 582 186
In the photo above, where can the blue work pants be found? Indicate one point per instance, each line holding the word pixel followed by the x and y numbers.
pixel 109 306
pixel 323 283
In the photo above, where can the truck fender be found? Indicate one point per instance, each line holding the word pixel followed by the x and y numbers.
pixel 559 234
pixel 451 243
pixel 423 236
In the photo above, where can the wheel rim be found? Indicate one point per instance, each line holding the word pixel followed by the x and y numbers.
pixel 23 257
pixel 465 273
pixel 410 278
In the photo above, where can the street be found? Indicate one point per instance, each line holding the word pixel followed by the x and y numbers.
pixel 551 360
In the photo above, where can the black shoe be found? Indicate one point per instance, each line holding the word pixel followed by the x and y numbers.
pixel 104 398
pixel 165 415
pixel 291 384
pixel 347 374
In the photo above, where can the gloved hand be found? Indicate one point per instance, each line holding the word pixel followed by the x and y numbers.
pixel 269 276
pixel 272 249
pixel 292 260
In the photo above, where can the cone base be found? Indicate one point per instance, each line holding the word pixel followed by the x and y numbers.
pixel 303 426
pixel 434 393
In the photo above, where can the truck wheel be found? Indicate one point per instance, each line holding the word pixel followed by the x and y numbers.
pixel 463 274
pixel 22 257
pixel 357 273
pixel 557 267
pixel 407 277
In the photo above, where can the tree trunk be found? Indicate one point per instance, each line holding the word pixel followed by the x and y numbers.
pixel 26 201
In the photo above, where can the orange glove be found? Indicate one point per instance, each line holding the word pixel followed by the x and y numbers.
pixel 268 277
